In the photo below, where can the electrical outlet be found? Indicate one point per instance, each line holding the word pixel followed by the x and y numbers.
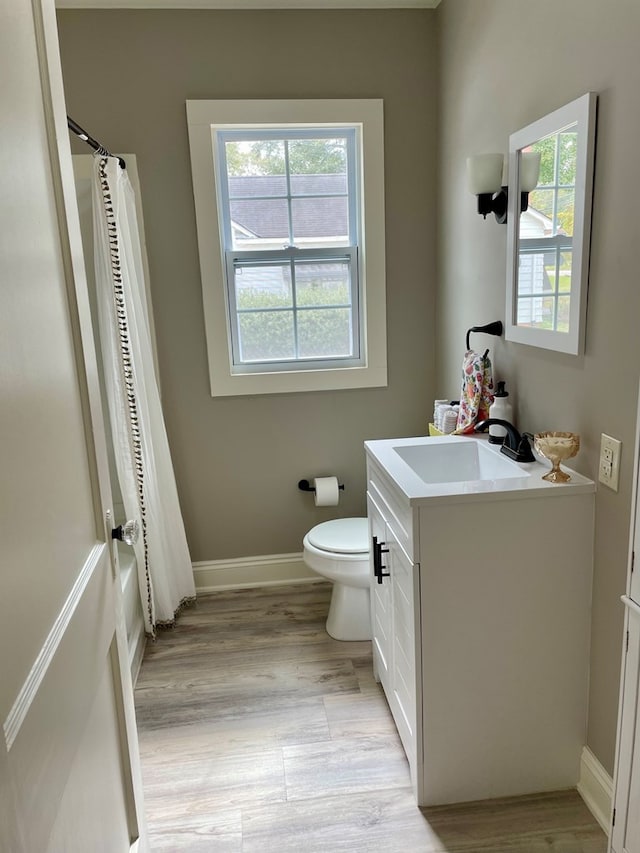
pixel 609 468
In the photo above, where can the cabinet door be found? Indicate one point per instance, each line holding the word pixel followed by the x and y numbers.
pixel 625 837
pixel 406 647
pixel 381 602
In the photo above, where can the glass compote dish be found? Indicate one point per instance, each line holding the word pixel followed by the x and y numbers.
pixel 556 447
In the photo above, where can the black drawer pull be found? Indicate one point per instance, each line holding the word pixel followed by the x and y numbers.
pixel 378 568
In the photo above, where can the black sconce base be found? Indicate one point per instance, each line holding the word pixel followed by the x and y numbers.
pixel 498 204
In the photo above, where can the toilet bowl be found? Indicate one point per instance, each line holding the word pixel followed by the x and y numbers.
pixel 339 551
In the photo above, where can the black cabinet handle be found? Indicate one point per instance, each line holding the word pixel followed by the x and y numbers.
pixel 378 568
pixel 376 558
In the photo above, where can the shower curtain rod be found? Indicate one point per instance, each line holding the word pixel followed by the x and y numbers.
pixel 91 142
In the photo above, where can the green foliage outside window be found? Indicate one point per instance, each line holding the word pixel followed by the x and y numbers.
pixel 306 157
pixel 267 330
pixel 559 150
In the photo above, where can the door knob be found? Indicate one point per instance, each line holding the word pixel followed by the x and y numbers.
pixel 128 532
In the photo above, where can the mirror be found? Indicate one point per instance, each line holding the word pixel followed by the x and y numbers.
pixel 548 241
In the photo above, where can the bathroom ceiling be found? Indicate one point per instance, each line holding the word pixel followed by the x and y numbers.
pixel 247 4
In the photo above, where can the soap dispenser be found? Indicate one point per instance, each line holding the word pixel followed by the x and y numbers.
pixel 500 408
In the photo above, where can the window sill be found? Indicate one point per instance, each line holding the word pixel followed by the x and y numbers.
pixel 289 382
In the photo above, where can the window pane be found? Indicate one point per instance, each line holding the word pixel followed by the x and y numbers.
pixel 547 150
pixel 550 279
pixel 252 186
pixel 566 260
pixel 323 284
pixel 537 312
pixel 263 286
pixel 259 223
pixel 527 311
pixel 324 332
pixel 542 202
pixel 317 219
pixel 568 142
pixel 266 336
pixel 566 207
pixel 260 157
pixel 532 273
pixel 563 313
pixel 304 185
pixel 319 157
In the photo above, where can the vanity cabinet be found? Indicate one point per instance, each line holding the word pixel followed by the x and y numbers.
pixel 481 633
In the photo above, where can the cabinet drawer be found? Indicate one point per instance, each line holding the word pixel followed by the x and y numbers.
pixel 396 511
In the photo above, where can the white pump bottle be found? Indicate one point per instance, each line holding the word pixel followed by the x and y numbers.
pixel 500 408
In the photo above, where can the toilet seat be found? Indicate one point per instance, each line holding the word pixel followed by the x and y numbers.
pixel 341 536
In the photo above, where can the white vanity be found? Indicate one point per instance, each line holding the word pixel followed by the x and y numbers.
pixel 481 592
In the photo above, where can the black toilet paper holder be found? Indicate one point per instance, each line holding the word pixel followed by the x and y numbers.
pixel 305 486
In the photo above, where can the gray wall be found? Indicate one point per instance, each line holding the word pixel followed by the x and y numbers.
pixel 505 63
pixel 127 77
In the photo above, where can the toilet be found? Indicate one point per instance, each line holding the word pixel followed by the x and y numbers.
pixel 339 551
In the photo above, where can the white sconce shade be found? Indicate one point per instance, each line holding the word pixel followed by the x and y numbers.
pixel 484 173
pixel 529 170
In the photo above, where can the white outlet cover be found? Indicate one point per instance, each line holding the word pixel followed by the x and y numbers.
pixel 609 467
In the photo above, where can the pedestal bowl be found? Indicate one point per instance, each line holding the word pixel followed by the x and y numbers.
pixel 557 447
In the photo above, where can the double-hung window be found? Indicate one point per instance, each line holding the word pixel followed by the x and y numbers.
pixel 291 238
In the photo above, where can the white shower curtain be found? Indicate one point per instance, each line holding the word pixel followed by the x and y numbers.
pixel 143 460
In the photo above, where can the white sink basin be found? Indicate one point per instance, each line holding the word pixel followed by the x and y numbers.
pixel 456 469
pixel 457 461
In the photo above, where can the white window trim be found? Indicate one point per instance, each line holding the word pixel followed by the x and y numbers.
pixel 202 118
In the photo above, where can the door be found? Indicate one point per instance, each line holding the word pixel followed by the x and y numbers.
pixel 406 633
pixel 69 770
pixel 381 615
pixel 625 834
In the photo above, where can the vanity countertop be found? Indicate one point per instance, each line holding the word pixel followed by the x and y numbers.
pixel 512 480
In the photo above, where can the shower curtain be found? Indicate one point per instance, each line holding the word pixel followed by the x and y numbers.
pixel 143 460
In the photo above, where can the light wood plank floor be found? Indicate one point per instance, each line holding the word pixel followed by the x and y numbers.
pixel 260 733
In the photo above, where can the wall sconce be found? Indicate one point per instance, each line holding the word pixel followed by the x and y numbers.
pixel 484 177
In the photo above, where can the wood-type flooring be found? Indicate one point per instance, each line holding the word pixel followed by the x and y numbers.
pixel 261 734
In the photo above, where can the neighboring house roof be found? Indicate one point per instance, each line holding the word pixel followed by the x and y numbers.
pixel 326 214
pixel 534 224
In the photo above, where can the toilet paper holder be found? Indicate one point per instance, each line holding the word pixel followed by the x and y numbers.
pixel 305 486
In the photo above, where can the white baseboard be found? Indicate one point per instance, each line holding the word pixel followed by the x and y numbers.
pixel 137 645
pixel 245 572
pixel 596 788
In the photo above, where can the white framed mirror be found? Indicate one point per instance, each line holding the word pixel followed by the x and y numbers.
pixel 548 240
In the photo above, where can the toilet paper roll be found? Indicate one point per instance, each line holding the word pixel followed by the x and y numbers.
pixel 327 491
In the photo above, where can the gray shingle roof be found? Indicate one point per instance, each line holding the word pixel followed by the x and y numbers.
pixel 326 215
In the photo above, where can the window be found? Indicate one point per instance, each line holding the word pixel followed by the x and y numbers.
pixel 288 196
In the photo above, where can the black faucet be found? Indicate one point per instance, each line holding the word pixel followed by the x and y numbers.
pixel 515 446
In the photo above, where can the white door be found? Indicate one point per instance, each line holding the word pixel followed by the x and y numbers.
pixel 69 771
pixel 625 833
